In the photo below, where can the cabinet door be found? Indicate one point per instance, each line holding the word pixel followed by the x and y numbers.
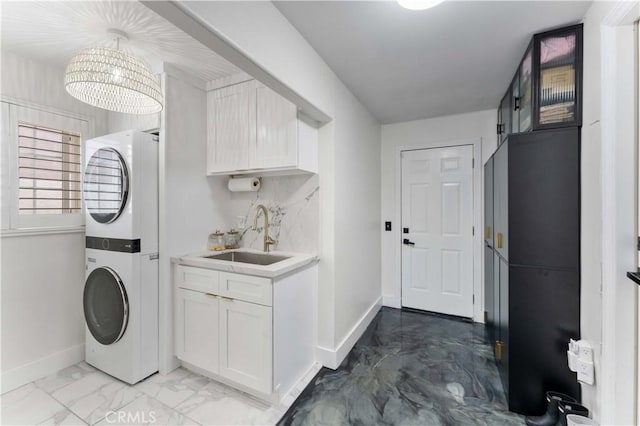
pixel 544 306
pixel 544 198
pixel 196 321
pixel 558 78
pixel 488 202
pixel 500 200
pixel 505 106
pixel 489 285
pixel 230 127
pixel 246 352
pixel 515 104
pixel 503 364
pixel 525 92
pixel 277 128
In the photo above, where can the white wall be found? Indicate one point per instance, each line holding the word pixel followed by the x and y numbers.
pixel 191 204
pixel 431 132
pixel 591 198
pixel 357 213
pixel 262 33
pixel 293 205
pixel 42 275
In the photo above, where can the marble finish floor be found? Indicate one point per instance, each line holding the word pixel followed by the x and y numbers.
pixel 82 395
pixel 409 369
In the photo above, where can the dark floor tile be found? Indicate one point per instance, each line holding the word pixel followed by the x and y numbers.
pixel 409 368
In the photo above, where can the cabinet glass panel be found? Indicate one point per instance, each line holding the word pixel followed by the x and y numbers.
pixel 557 87
pixel 525 93
pixel 515 107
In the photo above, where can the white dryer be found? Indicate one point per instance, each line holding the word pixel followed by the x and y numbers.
pixel 120 188
pixel 121 312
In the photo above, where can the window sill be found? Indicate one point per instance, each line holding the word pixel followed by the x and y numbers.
pixel 41 231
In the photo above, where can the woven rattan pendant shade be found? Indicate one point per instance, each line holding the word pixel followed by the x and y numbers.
pixel 111 79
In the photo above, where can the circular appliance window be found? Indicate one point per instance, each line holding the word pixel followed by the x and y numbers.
pixel 106 185
pixel 106 307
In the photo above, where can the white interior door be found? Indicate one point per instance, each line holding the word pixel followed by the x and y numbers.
pixel 437 233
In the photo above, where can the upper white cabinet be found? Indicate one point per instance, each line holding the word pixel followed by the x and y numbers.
pixel 229 135
pixel 253 130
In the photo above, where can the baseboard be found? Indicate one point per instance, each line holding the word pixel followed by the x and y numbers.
pixel 43 367
pixel 392 301
pixel 333 358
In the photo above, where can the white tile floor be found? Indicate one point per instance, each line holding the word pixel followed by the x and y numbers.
pixel 82 395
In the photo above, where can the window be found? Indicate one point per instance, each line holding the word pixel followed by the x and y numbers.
pixel 48 170
pixel 41 169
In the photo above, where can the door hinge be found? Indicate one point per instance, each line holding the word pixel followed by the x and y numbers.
pixel 473 299
pixel 473 230
pixel 473 163
pixel 498 128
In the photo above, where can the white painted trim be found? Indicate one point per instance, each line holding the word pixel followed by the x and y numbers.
pixel 391 301
pixel 43 367
pixel 617 387
pixel 184 76
pixel 228 81
pixel 25 232
pixel 478 208
pixel 196 27
pixel 333 358
pixel 49 109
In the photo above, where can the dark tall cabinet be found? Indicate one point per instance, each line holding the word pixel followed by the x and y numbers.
pixel 532 228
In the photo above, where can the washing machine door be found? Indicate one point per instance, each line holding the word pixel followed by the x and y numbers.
pixel 106 185
pixel 106 306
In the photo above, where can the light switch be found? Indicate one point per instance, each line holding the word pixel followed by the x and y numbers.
pixel 387 226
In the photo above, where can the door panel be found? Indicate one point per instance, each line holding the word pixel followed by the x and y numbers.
pixel 490 318
pixel 544 213
pixel 437 207
pixel 539 335
pixel 488 202
pixel 500 200
pixel 504 280
pixel 197 317
pixel 245 344
pixel 232 110
pixel 277 125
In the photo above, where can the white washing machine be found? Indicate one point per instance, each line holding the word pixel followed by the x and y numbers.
pixel 120 188
pixel 121 312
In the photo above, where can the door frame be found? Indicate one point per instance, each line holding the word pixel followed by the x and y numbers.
pixel 478 293
pixel 617 387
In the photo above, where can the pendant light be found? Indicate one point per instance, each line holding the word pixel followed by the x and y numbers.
pixel 419 4
pixel 111 79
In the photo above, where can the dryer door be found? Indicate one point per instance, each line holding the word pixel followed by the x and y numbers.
pixel 106 185
pixel 106 306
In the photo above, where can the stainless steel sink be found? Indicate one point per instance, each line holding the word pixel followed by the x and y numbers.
pixel 247 257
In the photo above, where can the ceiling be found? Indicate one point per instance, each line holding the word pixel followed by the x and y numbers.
pixel 54 31
pixel 405 65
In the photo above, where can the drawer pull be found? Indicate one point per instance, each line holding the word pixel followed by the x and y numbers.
pixel 228 299
pixel 210 295
pixel 499 240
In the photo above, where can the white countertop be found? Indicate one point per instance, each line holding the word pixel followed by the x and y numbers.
pixel 295 261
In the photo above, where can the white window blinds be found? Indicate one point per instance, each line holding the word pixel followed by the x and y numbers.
pixel 48 170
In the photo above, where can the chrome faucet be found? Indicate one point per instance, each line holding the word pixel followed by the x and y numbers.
pixel 267 239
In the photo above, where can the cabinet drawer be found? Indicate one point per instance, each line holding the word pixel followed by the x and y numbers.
pixel 199 279
pixel 246 287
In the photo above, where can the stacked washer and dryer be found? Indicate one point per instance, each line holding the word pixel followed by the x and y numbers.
pixel 120 187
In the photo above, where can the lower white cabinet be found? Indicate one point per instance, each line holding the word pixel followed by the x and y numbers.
pixel 254 333
pixel 246 343
pixel 197 331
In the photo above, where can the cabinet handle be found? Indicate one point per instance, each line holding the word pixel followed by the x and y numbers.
pixel 487 232
pixel 210 295
pixel 499 240
pixel 516 103
pixel 499 345
pixel 228 299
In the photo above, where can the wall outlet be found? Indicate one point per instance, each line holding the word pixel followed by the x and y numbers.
pixel 585 371
pixel 387 226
